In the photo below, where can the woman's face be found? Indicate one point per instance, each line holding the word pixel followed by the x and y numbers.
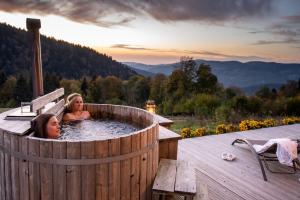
pixel 77 104
pixel 53 128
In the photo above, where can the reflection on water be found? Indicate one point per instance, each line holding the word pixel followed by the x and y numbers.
pixel 95 130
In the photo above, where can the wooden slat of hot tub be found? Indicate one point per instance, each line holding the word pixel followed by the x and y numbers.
pixel 102 151
pixel 135 167
pixel 46 172
pixel 59 171
pixel 143 173
pixel 34 170
pixel 24 168
pixel 73 172
pixel 125 168
pixel 149 165
pixel 14 146
pixel 88 172
pixel 114 170
pixel 156 152
pixel 7 167
pixel 2 172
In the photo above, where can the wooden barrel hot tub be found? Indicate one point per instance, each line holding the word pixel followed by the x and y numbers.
pixel 118 168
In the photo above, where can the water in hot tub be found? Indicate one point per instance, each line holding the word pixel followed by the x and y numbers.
pixel 95 130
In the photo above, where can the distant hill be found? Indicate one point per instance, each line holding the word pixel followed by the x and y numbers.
pixel 59 57
pixel 248 76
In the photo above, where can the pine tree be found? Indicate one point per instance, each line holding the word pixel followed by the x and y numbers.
pixel 84 86
pixel 21 91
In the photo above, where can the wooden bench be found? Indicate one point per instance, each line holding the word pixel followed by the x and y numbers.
pixel 174 177
pixel 38 104
pixel 49 103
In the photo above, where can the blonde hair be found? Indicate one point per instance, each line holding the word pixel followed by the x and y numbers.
pixel 70 100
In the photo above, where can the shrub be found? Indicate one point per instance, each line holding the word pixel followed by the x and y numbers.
pixel 205 105
pixel 254 124
pixel 290 120
pixel 292 106
pixel 198 132
pixel 223 113
pixel 222 128
pixel 231 128
pixel 269 122
pixel 186 132
pixel 250 124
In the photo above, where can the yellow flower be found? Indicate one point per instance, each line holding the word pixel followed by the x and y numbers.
pixel 186 132
pixel 198 132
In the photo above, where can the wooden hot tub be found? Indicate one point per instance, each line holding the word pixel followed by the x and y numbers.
pixel 118 168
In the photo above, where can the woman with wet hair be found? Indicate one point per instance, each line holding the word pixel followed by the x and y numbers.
pixel 47 126
pixel 74 109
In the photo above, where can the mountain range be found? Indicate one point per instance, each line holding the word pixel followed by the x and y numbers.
pixel 248 76
pixel 74 61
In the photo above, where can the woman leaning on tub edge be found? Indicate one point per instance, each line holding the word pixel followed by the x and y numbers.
pixel 74 108
pixel 47 126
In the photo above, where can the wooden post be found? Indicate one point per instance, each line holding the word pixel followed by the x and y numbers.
pixel 33 25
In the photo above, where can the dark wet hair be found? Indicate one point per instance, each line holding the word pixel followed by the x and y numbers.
pixel 40 125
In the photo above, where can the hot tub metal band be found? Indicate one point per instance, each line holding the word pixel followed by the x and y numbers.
pixel 79 161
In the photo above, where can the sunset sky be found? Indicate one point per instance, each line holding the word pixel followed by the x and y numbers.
pixel 161 31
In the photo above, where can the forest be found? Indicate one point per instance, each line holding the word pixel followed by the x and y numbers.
pixel 59 57
pixel 191 90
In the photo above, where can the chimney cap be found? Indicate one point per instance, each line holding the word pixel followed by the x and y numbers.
pixel 32 23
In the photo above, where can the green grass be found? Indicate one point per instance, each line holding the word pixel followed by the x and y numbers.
pixel 4 109
pixel 193 123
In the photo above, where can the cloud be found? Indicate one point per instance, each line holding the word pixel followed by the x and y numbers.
pixel 122 12
pixel 129 47
pixel 190 52
pixel 293 19
pixel 286 41
pixel 286 30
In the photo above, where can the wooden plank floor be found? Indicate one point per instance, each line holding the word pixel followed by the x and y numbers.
pixel 242 178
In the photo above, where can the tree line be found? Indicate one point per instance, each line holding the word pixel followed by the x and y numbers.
pixel 59 57
pixel 191 90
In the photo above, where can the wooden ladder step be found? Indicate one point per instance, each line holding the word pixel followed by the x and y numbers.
pixel 185 178
pixel 175 178
pixel 165 177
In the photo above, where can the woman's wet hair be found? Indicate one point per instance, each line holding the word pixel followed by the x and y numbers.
pixel 70 101
pixel 40 125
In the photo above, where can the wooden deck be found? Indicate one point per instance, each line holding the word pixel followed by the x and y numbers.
pixel 242 178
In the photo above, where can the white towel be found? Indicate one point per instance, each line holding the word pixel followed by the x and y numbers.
pixel 286 149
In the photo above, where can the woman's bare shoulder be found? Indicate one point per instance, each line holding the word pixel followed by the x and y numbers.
pixel 86 113
pixel 68 116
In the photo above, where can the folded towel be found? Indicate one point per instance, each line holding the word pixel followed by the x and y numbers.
pixel 286 149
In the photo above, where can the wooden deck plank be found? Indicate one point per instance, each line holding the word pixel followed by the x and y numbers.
pixel 245 165
pixel 242 178
pixel 214 189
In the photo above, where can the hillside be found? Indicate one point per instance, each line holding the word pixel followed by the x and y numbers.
pixel 249 75
pixel 59 57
